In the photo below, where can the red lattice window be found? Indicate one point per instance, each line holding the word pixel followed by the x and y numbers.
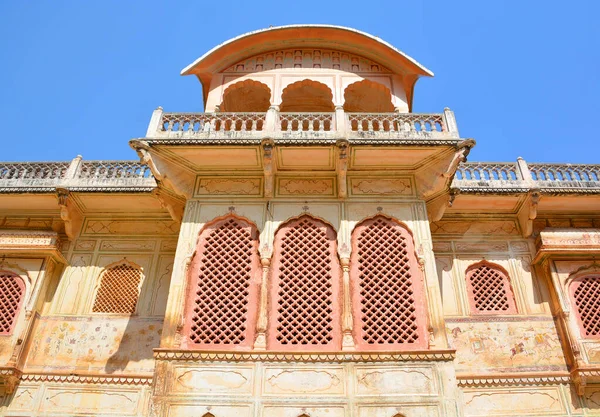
pixel 489 290
pixel 12 292
pixel 224 283
pixel 387 287
pixel 119 290
pixel 585 293
pixel 305 297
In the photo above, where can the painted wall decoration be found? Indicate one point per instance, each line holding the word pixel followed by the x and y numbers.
pixel 505 346
pixel 99 344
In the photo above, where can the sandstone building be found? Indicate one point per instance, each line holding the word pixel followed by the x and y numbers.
pixel 308 246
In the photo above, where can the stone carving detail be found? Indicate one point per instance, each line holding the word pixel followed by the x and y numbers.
pixel 307 58
pixel 304 381
pixel 306 187
pixel 497 228
pixel 481 247
pixel 381 186
pixel 168 245
pixel 127 245
pixel 17 238
pixel 85 245
pixel 90 401
pixel 228 186
pixel 399 381
pixel 134 227
pixel 211 380
pixel 486 403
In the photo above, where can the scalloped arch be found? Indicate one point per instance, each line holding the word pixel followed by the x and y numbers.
pixel 246 96
pixel 307 96
pixel 367 96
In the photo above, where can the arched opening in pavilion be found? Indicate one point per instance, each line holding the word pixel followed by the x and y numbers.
pixel 367 97
pixel 246 96
pixel 307 96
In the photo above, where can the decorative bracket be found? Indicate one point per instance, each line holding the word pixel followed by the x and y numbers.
pixel 342 167
pixel 174 204
pixel 528 212
pixel 69 213
pixel 180 183
pixel 267 146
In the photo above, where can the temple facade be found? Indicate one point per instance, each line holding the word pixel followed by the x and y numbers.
pixel 306 247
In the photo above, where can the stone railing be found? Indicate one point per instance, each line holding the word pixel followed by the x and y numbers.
pixel 42 175
pixel 281 125
pixel 519 176
pixel 75 175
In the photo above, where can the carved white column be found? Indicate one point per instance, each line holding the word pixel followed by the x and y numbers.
pixel 340 120
pixel 451 123
pixel 347 320
pixel 154 125
pixel 272 119
pixel 260 342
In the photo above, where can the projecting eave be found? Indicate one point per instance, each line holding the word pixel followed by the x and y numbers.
pixel 303 36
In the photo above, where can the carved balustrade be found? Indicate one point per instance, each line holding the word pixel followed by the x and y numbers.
pixel 76 175
pixel 520 177
pixel 275 124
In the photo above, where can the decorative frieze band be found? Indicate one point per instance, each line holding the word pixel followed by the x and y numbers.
pixel 181 355
pixel 511 381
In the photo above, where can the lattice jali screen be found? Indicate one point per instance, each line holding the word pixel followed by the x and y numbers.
pixel 12 291
pixel 119 290
pixel 489 290
pixel 387 287
pixel 586 296
pixel 224 282
pixel 305 298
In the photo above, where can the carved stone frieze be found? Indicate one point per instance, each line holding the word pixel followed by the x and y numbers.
pixel 131 227
pixel 381 186
pixel 300 186
pixel 228 186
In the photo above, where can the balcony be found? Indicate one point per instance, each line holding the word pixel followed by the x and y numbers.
pixel 252 127
pixel 482 177
pixel 77 175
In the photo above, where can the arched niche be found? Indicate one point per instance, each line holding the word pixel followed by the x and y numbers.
pixel 246 96
pixel 307 96
pixel 367 97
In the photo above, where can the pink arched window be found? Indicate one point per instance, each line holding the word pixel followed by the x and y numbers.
pixel 488 287
pixel 585 296
pixel 387 286
pixel 305 288
pixel 224 286
pixel 12 293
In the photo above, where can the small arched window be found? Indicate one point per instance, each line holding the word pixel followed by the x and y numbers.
pixel 489 290
pixel 119 289
pixel 305 292
pixel 12 293
pixel 585 295
pixel 223 286
pixel 387 287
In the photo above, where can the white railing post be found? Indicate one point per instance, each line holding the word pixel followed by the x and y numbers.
pixel 272 119
pixel 154 125
pixel 73 169
pixel 340 120
pixel 450 121
pixel 524 171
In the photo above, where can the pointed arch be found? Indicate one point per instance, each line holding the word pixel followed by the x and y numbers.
pixel 246 96
pixel 368 97
pixel 305 287
pixel 12 295
pixel 307 96
pixel 223 285
pixel 388 294
pixel 118 288
pixel 489 289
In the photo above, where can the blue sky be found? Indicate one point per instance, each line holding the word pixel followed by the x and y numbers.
pixel 82 77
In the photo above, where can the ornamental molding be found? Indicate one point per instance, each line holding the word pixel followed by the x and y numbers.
pixel 89 379
pixel 488 381
pixel 415 356
pixel 29 239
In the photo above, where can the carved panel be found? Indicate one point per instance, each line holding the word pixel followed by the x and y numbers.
pixel 408 410
pixel 537 401
pixel 442 246
pixel 395 381
pixel 287 381
pixel 381 186
pixel 209 409
pixel 118 401
pixel 168 246
pixel 472 247
pixel 127 245
pixel 218 380
pixel 25 398
pixel 131 227
pixel 300 186
pixel 217 186
pixel 85 245
pixel 300 409
pixel 466 227
pixel 307 58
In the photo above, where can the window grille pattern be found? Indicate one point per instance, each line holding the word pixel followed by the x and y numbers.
pixel 223 293
pixel 388 300
pixel 12 291
pixel 586 295
pixel 305 292
pixel 489 290
pixel 119 290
